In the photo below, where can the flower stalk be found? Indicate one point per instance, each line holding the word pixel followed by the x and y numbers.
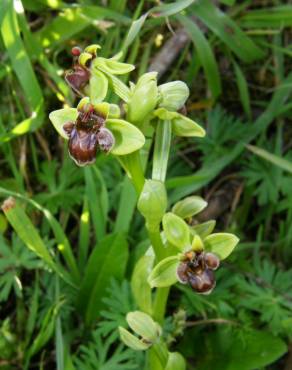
pixel 179 252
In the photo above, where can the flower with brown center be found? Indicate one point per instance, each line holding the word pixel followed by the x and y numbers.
pixel 88 134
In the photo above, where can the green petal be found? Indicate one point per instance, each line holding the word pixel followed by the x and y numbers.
pixel 164 273
pixel 60 117
pixel 222 244
pixel 98 86
pixel 184 126
pixel 175 361
pixel 128 138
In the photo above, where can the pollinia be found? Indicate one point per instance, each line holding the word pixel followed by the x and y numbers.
pixel 182 250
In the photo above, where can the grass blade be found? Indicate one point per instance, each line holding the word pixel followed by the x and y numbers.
pixel 274 17
pixel 61 238
pixel 26 231
pixel 284 164
pixel 243 89
pixel 23 69
pixel 227 31
pixel 205 54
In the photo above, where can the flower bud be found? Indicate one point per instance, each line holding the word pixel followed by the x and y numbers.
pixel 146 329
pixel 175 361
pixel 173 95
pixel 153 202
pixel 144 98
pixel 144 326
pixel 76 51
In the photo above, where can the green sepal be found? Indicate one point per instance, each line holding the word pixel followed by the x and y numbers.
pixel 98 86
pixel 189 206
pixel 181 125
pixel 173 95
pixel 152 202
pixel 164 273
pixel 184 126
pixel 128 138
pixel 60 117
pixel 131 341
pixel 143 325
pixel 221 244
pixel 112 66
pixel 176 231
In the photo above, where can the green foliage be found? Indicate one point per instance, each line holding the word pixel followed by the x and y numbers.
pixel 14 259
pixel 112 248
pixel 83 223
pixel 99 353
pixel 227 347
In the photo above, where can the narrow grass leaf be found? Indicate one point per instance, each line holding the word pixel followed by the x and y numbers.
pixel 26 231
pixel 268 17
pixel 71 21
pixel 278 161
pixel 243 89
pixel 205 54
pixel 164 10
pixel 227 31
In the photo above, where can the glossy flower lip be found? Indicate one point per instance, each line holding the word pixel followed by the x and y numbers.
pixel 197 271
pixel 87 134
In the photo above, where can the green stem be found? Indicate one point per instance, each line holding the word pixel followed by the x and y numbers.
pixel 160 302
pixel 161 150
pixel 157 244
pixel 132 165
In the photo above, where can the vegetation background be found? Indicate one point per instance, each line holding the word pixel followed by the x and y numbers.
pixel 235 56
